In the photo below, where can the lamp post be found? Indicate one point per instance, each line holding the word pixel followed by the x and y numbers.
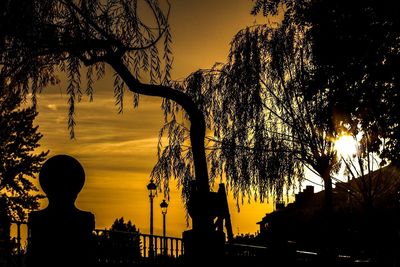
pixel 164 207
pixel 152 188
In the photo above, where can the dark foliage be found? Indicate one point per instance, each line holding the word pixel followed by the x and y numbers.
pixel 80 36
pixel 120 245
pixel 263 125
pixel 355 55
pixel 122 226
pixel 19 141
pixel 84 36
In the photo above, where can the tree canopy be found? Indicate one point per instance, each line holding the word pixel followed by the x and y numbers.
pixel 73 36
pixel 278 103
pixel 355 53
pixel 122 226
pixel 19 141
pixel 354 59
pixel 121 243
pixel 289 91
pixel 263 124
pixel 358 55
pixel 41 38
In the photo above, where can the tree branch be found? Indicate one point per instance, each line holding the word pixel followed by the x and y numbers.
pixel 196 117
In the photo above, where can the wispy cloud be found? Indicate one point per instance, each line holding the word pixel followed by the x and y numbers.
pixel 52 107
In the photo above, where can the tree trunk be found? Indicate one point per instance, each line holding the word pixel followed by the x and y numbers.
pixel 328 190
pixel 197 127
pixel 327 235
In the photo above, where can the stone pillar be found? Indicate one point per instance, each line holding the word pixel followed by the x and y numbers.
pixel 61 234
pixel 203 244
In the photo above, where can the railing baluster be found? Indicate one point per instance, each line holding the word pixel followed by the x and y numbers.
pixel 155 246
pixel 165 243
pixel 162 252
pixel 172 247
pixel 165 246
pixel 182 248
pixel 177 248
pixel 19 238
pixel 144 246
pixel 160 239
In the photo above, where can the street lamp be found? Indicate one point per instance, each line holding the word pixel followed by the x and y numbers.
pixel 164 207
pixel 152 188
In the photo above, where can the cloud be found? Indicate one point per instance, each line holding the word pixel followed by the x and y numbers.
pixel 52 107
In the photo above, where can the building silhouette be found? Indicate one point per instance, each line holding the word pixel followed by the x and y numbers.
pixel 365 222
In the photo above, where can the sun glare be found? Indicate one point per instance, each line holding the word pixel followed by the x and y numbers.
pixel 346 146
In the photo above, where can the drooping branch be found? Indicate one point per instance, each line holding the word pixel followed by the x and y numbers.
pixel 196 117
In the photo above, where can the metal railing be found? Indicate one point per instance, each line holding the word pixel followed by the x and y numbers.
pixel 168 246
pixel 18 236
pixel 116 246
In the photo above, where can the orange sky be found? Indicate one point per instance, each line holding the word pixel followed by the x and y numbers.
pixel 119 151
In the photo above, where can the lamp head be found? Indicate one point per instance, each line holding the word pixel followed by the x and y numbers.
pixel 164 207
pixel 152 188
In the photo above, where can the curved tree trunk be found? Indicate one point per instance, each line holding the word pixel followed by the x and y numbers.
pixel 197 129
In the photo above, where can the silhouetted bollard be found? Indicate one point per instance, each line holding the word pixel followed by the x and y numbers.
pixel 61 234
pixel 205 243
pixel 5 225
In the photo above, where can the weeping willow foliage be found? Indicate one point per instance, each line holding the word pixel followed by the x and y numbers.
pixel 264 124
pixel 41 37
pixel 261 122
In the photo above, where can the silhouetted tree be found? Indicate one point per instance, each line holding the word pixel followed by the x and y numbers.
pixel 369 179
pixel 264 125
pixel 125 239
pixel 354 59
pixel 119 245
pixel 76 36
pixel 20 160
pixel 356 54
pixel 121 225
pixel 301 55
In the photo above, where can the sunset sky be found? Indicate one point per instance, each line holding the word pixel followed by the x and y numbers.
pixel 118 151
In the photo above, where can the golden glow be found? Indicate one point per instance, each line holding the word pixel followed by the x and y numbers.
pixel 346 146
pixel 118 152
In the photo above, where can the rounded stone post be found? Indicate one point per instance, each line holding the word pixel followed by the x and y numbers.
pixel 61 234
